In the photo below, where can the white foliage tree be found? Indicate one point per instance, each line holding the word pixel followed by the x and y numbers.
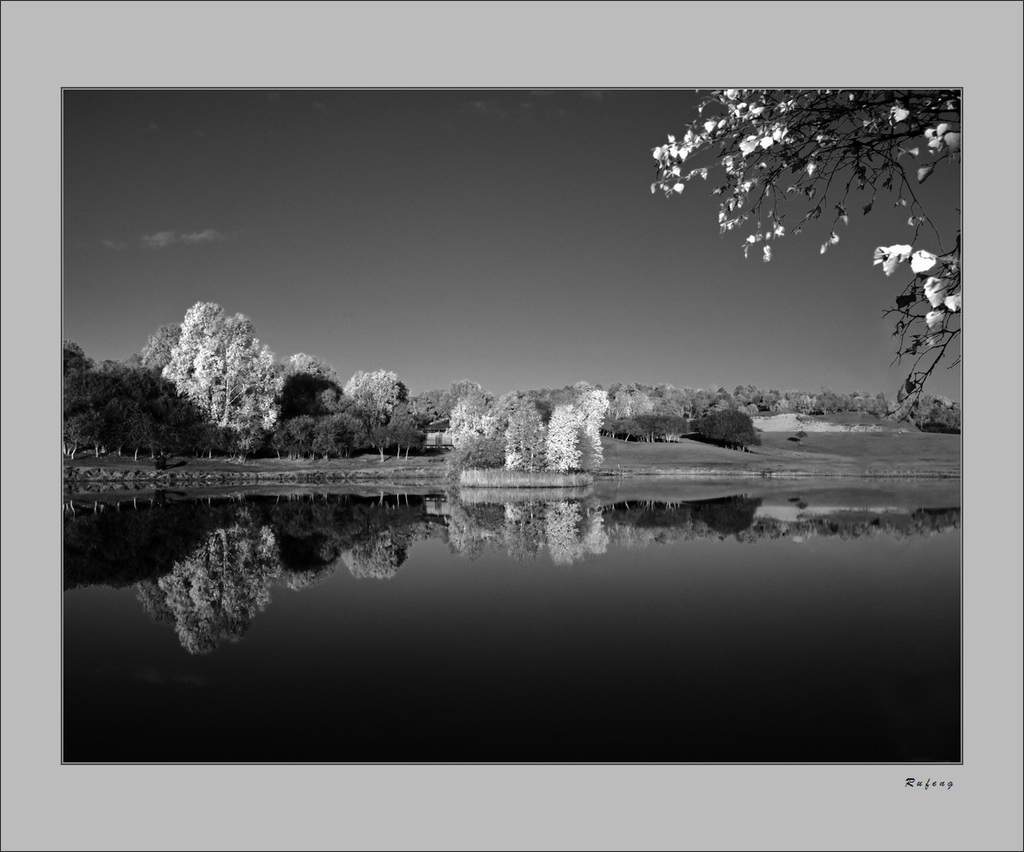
pixel 376 394
pixel 301 363
pixel 563 444
pixel 471 417
pixel 591 407
pixel 525 440
pixel 220 365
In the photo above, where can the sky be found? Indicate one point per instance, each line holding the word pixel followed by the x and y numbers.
pixel 508 237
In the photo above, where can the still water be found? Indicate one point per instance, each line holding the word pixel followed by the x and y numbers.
pixel 674 621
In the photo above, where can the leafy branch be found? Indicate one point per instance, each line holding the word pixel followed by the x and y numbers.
pixel 822 147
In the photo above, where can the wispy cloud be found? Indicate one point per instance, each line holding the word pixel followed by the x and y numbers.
pixel 114 245
pixel 162 239
pixel 489 108
pixel 207 236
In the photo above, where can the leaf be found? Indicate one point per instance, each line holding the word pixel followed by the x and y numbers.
pixel 748 145
pixel 952 141
pixel 891 256
pixel 905 301
pixel 934 319
pixel 924 172
pixel 898 114
pixel 678 187
pixel 923 262
pixel 935 290
pixel 954 303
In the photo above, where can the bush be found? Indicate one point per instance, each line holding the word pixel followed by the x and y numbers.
pixel 476 452
pixel 730 428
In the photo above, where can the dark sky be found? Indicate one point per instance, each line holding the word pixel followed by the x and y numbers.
pixel 504 236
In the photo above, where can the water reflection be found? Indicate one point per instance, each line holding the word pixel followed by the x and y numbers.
pixel 214 593
pixel 207 566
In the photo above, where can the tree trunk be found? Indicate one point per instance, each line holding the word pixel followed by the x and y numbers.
pixel 137 453
pixel 382 455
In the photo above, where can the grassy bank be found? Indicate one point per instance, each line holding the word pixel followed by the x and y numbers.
pixel 87 473
pixel 886 453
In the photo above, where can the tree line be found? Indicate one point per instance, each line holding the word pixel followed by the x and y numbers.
pixel 208 386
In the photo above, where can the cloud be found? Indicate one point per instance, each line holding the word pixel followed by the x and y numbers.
pixel 162 239
pixel 321 107
pixel 114 245
pixel 489 108
pixel 207 236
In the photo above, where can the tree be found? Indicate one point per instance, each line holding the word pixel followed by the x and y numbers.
pixel 823 147
pixel 525 439
pixel 405 431
pixel 305 380
pixel 591 407
pixel 730 427
pixel 563 444
pixel 472 417
pixel 376 394
pixel 219 364
pixel 311 365
pixel 156 354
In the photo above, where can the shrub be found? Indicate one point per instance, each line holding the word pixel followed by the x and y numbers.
pixel 729 427
pixel 476 452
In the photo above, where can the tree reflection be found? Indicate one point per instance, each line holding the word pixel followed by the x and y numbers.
pixel 571 529
pixel 562 526
pixel 206 565
pixel 214 594
pixel 379 555
pixel 524 531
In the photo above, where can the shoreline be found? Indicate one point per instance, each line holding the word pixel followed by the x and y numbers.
pixel 108 479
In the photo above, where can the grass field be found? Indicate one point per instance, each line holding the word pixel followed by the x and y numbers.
pixel 885 452
pixel 888 452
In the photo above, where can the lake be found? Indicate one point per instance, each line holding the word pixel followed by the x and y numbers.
pixel 748 621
